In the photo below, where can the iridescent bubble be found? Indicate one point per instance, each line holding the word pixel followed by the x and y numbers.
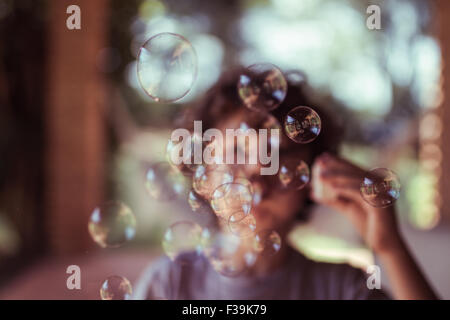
pixel 229 198
pixel 197 203
pixel 263 127
pixel 243 181
pixel 262 87
pixel 241 224
pixel 112 224
pixel 254 187
pixel 258 192
pixel 294 175
pixel 267 243
pixel 181 238
pixel 188 164
pixel 116 288
pixel 167 67
pixel 380 187
pixel 228 256
pixel 208 177
pixel 164 184
pixel 302 125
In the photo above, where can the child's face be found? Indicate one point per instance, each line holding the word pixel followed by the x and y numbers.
pixel 278 206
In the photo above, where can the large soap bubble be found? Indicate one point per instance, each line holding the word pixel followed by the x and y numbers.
pixel 167 67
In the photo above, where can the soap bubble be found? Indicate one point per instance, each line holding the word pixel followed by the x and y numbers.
pixel 228 256
pixel 197 203
pixel 112 224
pixel 262 87
pixel 380 187
pixel 302 124
pixel 254 187
pixel 188 164
pixel 167 67
pixel 116 288
pixel 163 183
pixel 258 192
pixel 208 177
pixel 231 197
pixel 241 224
pixel 267 243
pixel 243 181
pixel 256 121
pixel 180 238
pixel 294 175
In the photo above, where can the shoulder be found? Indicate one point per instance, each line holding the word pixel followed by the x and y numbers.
pixel 335 281
pixel 150 282
pixel 164 278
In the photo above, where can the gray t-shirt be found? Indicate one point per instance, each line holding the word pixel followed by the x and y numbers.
pixel 299 278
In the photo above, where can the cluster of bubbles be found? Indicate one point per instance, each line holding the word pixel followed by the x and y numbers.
pixel 167 69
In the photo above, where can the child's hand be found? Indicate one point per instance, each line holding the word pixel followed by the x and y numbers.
pixel 336 183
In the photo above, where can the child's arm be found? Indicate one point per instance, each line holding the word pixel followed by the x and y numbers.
pixel 336 183
pixel 407 280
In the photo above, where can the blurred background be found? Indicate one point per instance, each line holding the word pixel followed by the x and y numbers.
pixel 75 125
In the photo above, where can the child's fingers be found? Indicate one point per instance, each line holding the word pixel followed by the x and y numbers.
pixel 334 164
pixel 340 181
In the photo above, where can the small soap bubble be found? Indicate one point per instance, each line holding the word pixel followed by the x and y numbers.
pixel 175 151
pixel 116 288
pixel 262 87
pixel 167 67
pixel 163 183
pixel 228 256
pixel 181 238
pixel 208 177
pixel 263 127
pixel 302 125
pixel 241 224
pixel 240 179
pixel 230 198
pixel 267 243
pixel 254 187
pixel 197 203
pixel 294 175
pixel 258 192
pixel 112 224
pixel 380 187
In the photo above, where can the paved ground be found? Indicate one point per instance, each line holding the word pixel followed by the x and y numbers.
pixel 47 278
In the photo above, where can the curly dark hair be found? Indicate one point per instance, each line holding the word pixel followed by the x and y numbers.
pixel 223 99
